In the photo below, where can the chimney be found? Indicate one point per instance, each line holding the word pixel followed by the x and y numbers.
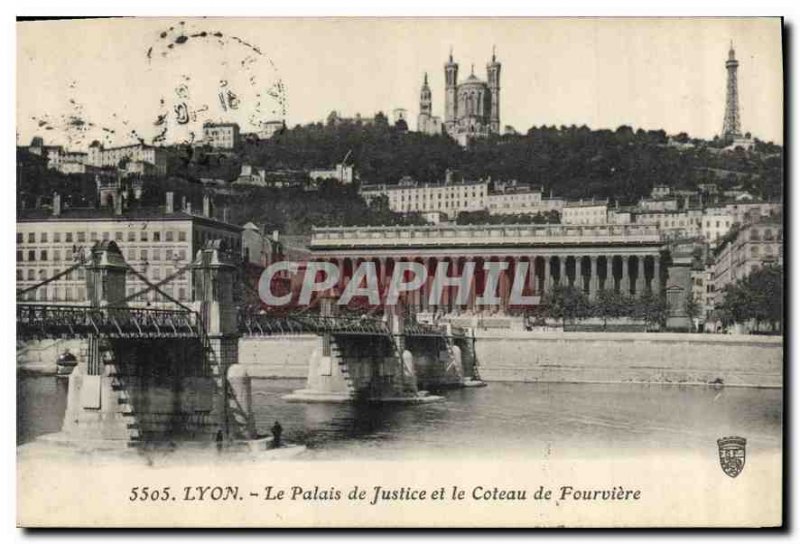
pixel 170 202
pixel 183 202
pixel 188 207
pixel 225 214
pixel 206 205
pixel 274 235
pixel 56 204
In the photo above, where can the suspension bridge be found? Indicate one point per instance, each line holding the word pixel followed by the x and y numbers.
pixel 166 373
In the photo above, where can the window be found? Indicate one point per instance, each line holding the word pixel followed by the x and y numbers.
pixel 31 238
pixel 131 236
pixel 768 234
pixel 19 255
pixel 68 293
pixel 56 254
pixel 105 236
pixel 57 237
pixel 81 237
pixel 156 273
pixel 169 236
pixel 92 236
pixel 118 236
pixel 19 237
pixel 156 236
pixel 754 251
pixel 20 274
pixel 42 274
pixel 182 293
pixel 144 254
pixel 156 254
pixel 43 255
pixel 31 274
pixel 143 236
pixel 168 256
pixel 754 235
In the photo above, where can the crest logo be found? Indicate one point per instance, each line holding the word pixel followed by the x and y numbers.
pixel 732 454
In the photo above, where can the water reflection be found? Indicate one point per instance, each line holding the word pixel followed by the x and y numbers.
pixel 535 420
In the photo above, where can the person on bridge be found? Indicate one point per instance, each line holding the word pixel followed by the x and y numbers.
pixel 276 434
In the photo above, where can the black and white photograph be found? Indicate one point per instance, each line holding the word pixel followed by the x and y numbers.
pixel 412 272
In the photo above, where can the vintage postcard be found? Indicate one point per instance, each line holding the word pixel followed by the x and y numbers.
pixel 411 272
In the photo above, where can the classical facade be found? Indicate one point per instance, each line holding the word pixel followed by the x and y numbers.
pixel 625 258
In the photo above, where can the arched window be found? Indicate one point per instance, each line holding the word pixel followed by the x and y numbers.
pixel 754 251
pixel 754 235
pixel 768 234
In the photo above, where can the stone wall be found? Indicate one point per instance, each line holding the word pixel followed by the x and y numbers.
pixel 630 357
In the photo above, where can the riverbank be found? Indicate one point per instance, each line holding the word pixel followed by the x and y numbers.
pixel 656 358
pixel 550 357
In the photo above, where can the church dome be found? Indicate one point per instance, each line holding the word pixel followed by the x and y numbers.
pixel 472 81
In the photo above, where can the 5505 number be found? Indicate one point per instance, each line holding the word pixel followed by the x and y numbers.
pixel 150 494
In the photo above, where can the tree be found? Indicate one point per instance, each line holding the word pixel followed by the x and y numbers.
pixel 651 308
pixel 693 307
pixel 610 304
pixel 565 302
pixel 759 297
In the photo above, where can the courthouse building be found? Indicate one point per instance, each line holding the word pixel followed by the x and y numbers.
pixel 625 258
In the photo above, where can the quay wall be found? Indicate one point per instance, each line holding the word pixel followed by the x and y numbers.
pixel 520 356
pixel 630 357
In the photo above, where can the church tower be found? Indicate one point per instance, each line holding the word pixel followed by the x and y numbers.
pixel 451 83
pixel 731 126
pixel 425 102
pixel 493 79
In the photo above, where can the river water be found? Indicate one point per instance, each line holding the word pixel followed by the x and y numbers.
pixel 536 420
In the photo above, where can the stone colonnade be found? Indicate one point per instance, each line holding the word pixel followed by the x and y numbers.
pixel 633 274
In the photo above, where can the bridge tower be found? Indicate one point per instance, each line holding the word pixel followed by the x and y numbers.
pixel 214 274
pixel 98 408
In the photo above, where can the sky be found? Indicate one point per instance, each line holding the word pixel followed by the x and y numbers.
pixel 118 80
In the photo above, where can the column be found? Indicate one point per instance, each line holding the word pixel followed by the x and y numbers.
pixel 594 279
pixel 639 276
pixel 562 271
pixel 625 282
pixel 381 278
pixel 548 273
pixel 608 282
pixel 655 286
pixel 533 281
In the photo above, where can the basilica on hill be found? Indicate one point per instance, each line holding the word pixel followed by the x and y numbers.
pixel 471 107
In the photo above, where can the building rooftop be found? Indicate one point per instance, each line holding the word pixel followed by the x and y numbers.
pixel 155 213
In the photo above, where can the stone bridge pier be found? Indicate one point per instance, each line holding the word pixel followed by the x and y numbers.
pixel 128 391
pixel 214 275
pixel 392 367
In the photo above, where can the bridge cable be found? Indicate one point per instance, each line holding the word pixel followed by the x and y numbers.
pixel 155 286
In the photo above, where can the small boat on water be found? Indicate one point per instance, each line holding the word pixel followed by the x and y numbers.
pixel 65 363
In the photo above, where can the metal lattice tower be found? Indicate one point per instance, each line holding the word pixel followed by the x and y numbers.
pixel 731 127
